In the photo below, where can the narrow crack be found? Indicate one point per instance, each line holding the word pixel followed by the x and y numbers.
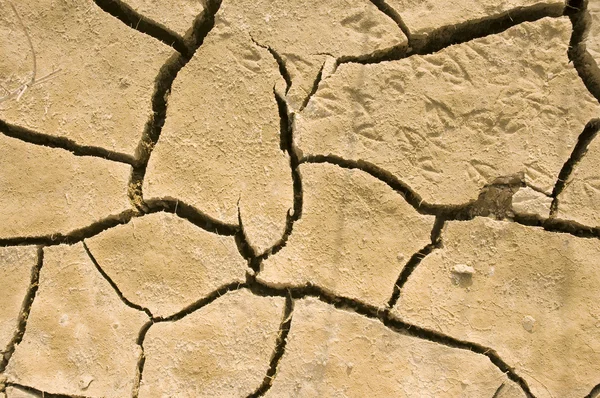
pixel 280 344
pixel 143 24
pixel 415 260
pixel 585 138
pixel 495 200
pixel 33 137
pixel 280 63
pixel 39 393
pixel 139 370
pixel 112 283
pixel 313 89
pixel 499 390
pixel 24 311
pixel 584 63
pixel 445 36
pixel 162 89
pixel 595 393
pixel 389 320
pixel 388 10
pixel 168 205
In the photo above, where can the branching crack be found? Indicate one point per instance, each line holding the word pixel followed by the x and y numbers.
pixel 445 36
pixel 162 89
pixel 25 310
pixel 143 24
pixel 585 138
pixel 495 200
pixel 284 329
pixel 33 137
pixel 112 283
pixel 415 260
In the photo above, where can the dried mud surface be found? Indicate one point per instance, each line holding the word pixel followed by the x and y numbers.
pixel 345 198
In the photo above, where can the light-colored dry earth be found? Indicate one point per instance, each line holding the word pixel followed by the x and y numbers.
pixel 346 198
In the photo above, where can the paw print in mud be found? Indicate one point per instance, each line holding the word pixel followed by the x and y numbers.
pixel 269 198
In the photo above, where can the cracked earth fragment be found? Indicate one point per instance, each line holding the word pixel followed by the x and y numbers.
pixel 47 191
pixel 175 15
pixel 354 237
pixel 305 36
pixel 531 296
pixel 523 115
pixel 220 143
pixel 580 199
pixel 16 264
pixel 90 71
pixel 424 16
pixel 232 339
pixel 332 352
pixel 165 263
pixel 80 338
pixel 529 201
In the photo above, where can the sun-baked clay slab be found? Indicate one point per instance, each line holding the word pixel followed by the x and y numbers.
pixel 176 15
pixel 164 263
pixel 221 350
pixel 592 43
pixel 304 33
pixel 354 237
pixel 423 16
pixel 451 122
pixel 80 337
pixel 16 264
pixel 105 71
pixel 220 144
pixel 528 293
pixel 47 191
pixel 334 353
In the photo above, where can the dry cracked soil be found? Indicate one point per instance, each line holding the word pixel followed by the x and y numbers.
pixel 299 198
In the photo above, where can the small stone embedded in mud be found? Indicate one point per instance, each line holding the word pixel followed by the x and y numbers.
pixel 462 275
pixel 528 323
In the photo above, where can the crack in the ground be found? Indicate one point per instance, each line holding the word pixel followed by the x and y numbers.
pixel 162 89
pixel 154 205
pixel 39 393
pixel 313 89
pixel 583 141
pixel 24 311
pixel 595 393
pixel 391 13
pixel 136 21
pixel 415 260
pixel 114 286
pixel 584 63
pixel 445 36
pixel 51 141
pixel 383 315
pixel 499 390
pixel 280 344
pixel 280 63
pixel 495 200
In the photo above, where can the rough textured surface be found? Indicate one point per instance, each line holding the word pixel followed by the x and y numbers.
pixel 343 198
pixel 529 201
pixel 304 36
pixel 175 15
pixel 101 70
pixel 423 16
pixel 335 353
pixel 522 115
pixel 354 238
pixel 165 263
pixel 47 191
pixel 80 338
pixel 580 200
pixel 224 109
pixel 233 340
pixel 532 297
pixel 16 264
